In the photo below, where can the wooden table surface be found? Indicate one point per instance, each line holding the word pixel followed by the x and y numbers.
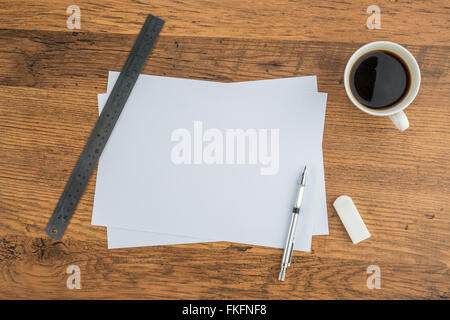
pixel 400 181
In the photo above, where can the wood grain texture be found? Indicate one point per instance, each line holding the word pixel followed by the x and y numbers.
pixel 49 79
pixel 319 20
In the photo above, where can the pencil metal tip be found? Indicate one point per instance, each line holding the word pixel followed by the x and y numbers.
pixel 282 275
pixel 303 179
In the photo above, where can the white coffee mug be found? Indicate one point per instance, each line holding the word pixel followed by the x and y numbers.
pixel 395 112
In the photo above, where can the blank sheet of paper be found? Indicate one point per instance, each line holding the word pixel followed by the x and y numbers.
pixel 265 105
pixel 306 83
pixel 123 238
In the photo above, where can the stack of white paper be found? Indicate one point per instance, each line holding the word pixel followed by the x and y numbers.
pixel 198 161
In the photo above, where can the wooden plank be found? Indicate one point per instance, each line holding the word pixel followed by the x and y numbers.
pixel 81 60
pixel 36 268
pixel 419 22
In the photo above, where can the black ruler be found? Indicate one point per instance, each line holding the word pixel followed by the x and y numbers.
pixel 103 128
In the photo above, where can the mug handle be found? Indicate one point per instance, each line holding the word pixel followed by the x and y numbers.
pixel 400 120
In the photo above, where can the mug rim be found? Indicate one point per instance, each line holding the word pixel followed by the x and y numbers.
pixel 408 59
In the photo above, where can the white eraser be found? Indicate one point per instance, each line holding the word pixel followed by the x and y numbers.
pixel 351 219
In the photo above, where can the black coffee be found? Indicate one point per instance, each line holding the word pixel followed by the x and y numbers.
pixel 379 79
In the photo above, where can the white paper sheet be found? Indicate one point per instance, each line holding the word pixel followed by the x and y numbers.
pixel 139 225
pixel 123 238
pixel 307 83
